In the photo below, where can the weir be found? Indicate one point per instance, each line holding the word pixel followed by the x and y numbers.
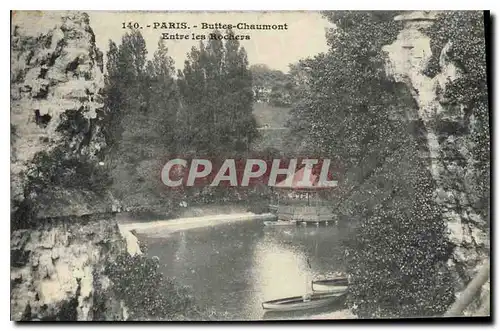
pixel 186 223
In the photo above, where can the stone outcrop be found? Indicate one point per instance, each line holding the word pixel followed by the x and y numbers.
pixel 56 79
pixel 450 151
pixel 59 258
pixel 57 271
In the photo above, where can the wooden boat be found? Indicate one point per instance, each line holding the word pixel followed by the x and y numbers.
pixel 316 300
pixel 333 285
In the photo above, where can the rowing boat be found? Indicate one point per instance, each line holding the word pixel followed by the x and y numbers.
pixel 299 303
pixel 334 285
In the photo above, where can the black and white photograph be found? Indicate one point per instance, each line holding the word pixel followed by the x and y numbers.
pixel 250 165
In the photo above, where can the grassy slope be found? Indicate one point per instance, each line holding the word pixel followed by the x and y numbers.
pixel 271 122
pixel 275 117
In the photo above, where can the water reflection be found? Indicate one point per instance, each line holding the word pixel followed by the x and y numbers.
pixel 233 268
pixel 280 271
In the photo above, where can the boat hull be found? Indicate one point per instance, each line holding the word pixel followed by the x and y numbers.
pixel 298 303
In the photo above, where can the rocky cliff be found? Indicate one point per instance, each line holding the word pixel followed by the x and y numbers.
pixel 56 79
pixel 58 271
pixel 449 132
pixel 63 228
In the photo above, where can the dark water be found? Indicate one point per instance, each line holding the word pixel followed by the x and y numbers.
pixel 233 268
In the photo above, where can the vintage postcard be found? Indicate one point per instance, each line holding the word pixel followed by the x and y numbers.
pixel 246 166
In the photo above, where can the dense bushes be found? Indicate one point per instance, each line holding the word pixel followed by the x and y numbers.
pixel 397 260
pixel 147 294
pixel 58 170
pixel 52 178
pixel 353 112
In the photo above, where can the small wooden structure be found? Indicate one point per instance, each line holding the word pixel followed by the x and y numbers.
pixel 291 201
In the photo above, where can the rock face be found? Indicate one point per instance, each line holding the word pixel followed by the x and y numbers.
pixel 56 78
pixel 58 259
pixel 57 271
pixel 450 151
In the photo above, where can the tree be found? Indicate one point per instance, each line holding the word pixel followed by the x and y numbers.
pixel 216 96
pixel 123 83
pixel 112 99
pixel 241 125
pixel 163 97
pixel 142 103
pixel 272 86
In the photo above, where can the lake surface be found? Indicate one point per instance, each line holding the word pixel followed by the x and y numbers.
pixel 232 268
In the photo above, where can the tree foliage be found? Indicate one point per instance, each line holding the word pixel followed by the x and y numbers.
pixel 141 104
pixel 272 86
pixel 216 97
pixel 352 111
pixel 152 115
pixel 397 260
pixel 147 294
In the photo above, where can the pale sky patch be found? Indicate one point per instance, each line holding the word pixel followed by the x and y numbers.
pixel 305 35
